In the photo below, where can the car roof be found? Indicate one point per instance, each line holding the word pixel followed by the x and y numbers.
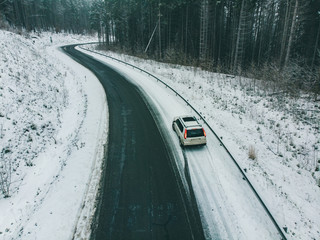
pixel 190 121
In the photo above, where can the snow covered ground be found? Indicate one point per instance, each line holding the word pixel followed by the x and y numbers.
pixel 282 132
pixel 53 123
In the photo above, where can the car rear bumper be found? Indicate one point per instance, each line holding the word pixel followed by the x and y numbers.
pixel 194 142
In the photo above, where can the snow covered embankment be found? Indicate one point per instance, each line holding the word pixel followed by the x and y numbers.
pixel 53 122
pixel 282 131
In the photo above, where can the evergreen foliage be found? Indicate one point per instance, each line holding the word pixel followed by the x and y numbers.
pixel 57 15
pixel 230 36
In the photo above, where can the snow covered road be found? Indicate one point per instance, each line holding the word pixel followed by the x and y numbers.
pixel 45 98
pixel 140 197
pixel 228 207
pixel 225 198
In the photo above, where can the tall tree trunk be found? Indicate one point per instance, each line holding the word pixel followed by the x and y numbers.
pixel 292 30
pixel 257 36
pixel 284 33
pixel 203 30
pixel 237 47
pixel 186 32
pixel 315 47
pixel 159 30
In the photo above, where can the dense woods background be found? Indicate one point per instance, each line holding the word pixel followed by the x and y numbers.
pixel 47 15
pixel 274 40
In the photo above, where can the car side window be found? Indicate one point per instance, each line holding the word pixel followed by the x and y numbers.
pixel 179 125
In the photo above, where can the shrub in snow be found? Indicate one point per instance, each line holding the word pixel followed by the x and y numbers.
pixel 5 172
pixel 252 153
pixel 32 97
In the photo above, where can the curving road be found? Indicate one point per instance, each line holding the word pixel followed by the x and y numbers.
pixel 141 198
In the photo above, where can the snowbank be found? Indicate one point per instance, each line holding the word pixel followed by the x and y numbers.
pixel 282 131
pixel 53 125
pixel 53 121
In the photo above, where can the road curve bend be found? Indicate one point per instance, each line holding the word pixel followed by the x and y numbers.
pixel 141 197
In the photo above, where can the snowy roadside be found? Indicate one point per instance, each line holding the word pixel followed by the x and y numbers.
pixel 51 105
pixel 286 169
pixel 53 126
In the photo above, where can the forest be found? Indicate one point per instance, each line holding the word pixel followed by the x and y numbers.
pixel 46 15
pixel 274 40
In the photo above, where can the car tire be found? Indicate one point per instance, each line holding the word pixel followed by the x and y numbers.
pixel 181 144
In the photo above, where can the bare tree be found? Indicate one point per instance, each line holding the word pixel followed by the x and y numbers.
pixel 284 33
pixel 238 49
pixel 316 45
pixel 203 48
pixel 292 30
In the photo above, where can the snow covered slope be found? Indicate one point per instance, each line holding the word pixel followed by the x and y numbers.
pixel 285 171
pixel 53 121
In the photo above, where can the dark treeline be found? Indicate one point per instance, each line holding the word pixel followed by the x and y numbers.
pixel 50 15
pixel 274 40
pixel 232 36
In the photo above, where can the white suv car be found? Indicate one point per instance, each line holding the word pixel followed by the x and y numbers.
pixel 189 131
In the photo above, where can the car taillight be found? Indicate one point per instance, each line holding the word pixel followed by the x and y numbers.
pixel 204 132
pixel 185 134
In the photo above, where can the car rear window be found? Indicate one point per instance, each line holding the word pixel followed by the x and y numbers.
pixel 195 132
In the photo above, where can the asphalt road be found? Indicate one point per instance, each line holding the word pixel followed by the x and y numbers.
pixel 141 197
